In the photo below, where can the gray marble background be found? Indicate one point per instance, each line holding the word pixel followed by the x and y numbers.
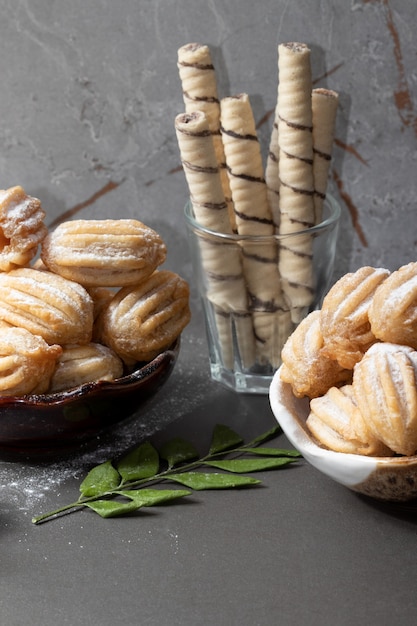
pixel 90 90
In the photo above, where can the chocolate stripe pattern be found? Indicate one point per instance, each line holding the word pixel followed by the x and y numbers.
pixel 253 217
pixel 324 104
pixel 199 87
pixel 221 260
pixel 295 138
pixel 272 174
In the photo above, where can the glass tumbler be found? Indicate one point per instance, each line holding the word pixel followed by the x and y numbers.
pixel 255 290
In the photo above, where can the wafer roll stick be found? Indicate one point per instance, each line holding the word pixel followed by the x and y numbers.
pixel 222 323
pixel 201 171
pixel 253 217
pixel 236 337
pixel 221 260
pixel 272 174
pixel 295 139
pixel 324 104
pixel 199 88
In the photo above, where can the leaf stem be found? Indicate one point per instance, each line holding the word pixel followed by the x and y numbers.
pixel 157 478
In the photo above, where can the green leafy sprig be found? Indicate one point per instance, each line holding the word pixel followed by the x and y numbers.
pixel 114 488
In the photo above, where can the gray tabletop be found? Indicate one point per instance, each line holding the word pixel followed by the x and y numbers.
pixel 298 549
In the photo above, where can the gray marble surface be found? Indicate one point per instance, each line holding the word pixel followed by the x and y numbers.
pixel 89 95
pixel 90 92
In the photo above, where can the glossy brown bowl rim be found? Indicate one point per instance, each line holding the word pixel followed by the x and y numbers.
pixel 140 374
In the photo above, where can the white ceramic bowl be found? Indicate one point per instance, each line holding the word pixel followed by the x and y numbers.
pixel 383 478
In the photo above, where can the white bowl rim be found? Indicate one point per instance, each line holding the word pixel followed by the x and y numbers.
pixel 347 469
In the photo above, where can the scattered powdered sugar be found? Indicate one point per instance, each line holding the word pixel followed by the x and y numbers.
pixel 401 295
pixel 390 348
pixel 393 358
pixel 33 487
pixel 23 487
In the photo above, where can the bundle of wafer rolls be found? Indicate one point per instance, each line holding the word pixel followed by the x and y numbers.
pixel 259 293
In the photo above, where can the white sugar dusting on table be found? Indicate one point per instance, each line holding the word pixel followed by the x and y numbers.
pixel 29 486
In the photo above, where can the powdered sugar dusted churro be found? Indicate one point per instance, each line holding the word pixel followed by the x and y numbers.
pixel 324 104
pixel 296 172
pixel 22 228
pixel 199 88
pixel 336 421
pixel 253 217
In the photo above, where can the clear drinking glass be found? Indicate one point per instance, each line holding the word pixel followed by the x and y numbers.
pixel 255 290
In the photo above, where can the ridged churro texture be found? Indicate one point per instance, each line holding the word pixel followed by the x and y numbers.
pixel 393 311
pixel 141 321
pixel 27 362
pixel 100 296
pixel 103 252
pixel 46 304
pixel 79 364
pixel 345 321
pixel 304 366
pixel 385 387
pixel 22 228
pixel 337 423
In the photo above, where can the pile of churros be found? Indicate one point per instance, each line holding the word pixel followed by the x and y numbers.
pixel 93 304
pixel 355 360
pixel 266 289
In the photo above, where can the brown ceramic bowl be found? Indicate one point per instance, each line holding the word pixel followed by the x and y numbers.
pixel 391 479
pixel 41 424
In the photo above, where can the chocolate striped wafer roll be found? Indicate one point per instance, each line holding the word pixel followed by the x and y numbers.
pixel 236 338
pixel 295 139
pixel 199 89
pixel 201 170
pixel 222 260
pixel 253 217
pixel 244 166
pixel 324 104
pixel 272 174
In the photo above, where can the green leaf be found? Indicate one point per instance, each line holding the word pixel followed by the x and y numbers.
pixel 274 452
pixel 178 451
pixel 100 479
pixel 142 462
pixel 224 438
pixel 140 467
pixel 269 434
pixel 135 501
pixel 112 508
pixel 200 481
pixel 151 497
pixel 241 466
